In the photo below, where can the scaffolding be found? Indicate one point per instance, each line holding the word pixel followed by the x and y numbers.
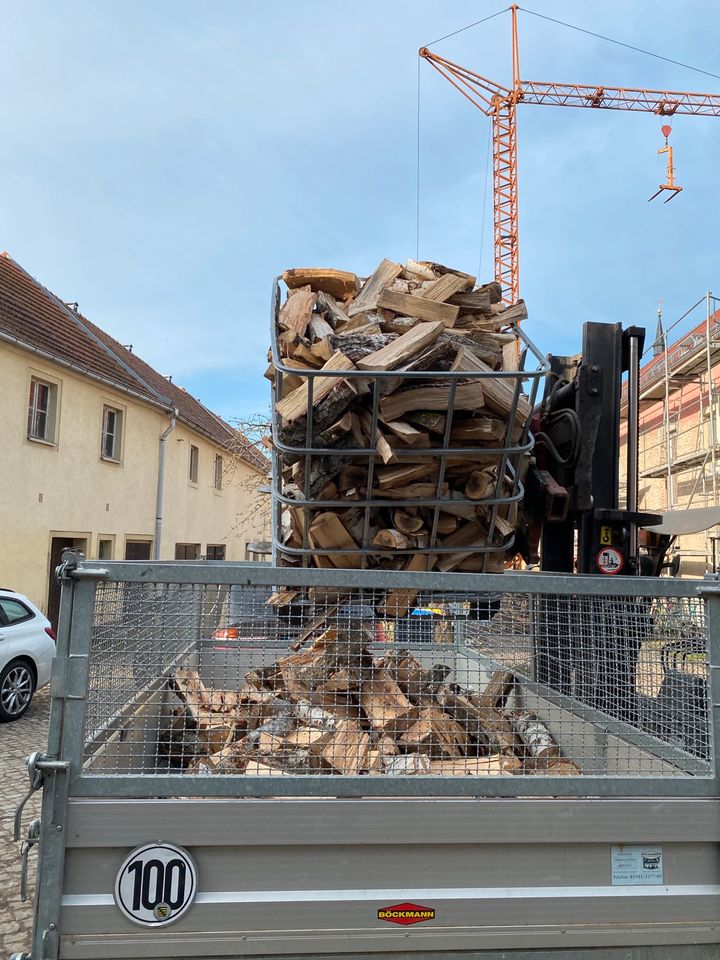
pixel 680 425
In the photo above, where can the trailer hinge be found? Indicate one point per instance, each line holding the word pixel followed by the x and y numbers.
pixel 37 766
pixel 68 567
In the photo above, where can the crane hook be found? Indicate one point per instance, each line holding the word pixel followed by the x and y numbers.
pixel 670 184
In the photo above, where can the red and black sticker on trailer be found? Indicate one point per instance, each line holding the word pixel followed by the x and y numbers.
pixel 406 914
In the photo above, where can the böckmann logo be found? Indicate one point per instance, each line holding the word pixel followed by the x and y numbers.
pixel 406 913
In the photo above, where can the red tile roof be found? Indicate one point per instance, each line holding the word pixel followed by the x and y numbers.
pixel 654 369
pixel 34 317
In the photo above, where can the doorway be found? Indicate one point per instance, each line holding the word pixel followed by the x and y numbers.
pixel 57 545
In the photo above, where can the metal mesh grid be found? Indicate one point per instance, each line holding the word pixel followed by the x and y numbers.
pixel 211 679
pixel 320 466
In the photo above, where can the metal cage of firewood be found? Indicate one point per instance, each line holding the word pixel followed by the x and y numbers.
pixel 304 449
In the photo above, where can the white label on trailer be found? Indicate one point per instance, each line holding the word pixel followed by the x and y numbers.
pixel 609 560
pixel 635 865
pixel 156 884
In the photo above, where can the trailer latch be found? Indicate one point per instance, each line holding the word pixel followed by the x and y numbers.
pixel 37 766
pixel 33 835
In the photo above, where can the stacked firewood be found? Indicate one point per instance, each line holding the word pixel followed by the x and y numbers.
pixel 420 317
pixel 334 709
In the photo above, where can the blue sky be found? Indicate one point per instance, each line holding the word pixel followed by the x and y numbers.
pixel 163 161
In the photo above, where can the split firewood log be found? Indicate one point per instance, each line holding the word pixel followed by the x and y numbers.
pixel 408 765
pixel 497 765
pixel 540 747
pixel 498 689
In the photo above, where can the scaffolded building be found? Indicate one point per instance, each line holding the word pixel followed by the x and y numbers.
pixel 679 433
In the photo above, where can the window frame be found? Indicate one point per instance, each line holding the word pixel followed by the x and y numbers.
pixel 117 435
pixel 138 538
pixel 193 448
pixel 184 544
pixel 50 412
pixel 106 538
pixel 218 474
pixel 214 547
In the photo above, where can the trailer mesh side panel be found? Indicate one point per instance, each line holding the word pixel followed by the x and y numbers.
pixel 216 680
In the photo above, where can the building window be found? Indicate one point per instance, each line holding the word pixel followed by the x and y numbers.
pixel 193 467
pixel 112 434
pixel 105 549
pixel 218 471
pixel 137 549
pixel 41 410
pixel 187 551
pixel 215 551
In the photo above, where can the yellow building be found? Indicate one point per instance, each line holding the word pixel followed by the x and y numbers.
pixel 101 452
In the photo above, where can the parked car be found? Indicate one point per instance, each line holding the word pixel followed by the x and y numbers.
pixel 27 647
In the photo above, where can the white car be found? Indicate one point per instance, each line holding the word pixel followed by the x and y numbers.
pixel 27 647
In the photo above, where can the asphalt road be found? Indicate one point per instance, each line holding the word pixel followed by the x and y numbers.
pixel 17 740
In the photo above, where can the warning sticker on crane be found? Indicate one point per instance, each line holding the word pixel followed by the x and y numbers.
pixel 609 561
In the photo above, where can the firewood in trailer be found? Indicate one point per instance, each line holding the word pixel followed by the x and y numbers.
pixel 498 765
pixel 385 705
pixel 539 744
pixel 348 751
pixel 497 690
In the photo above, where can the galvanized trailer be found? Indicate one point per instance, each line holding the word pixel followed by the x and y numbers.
pixel 621 862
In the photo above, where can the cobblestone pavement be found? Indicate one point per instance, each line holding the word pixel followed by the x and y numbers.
pixel 17 740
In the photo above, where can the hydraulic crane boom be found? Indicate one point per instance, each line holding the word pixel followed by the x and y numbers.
pixel 500 104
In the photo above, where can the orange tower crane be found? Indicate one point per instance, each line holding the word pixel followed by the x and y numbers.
pixel 500 104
